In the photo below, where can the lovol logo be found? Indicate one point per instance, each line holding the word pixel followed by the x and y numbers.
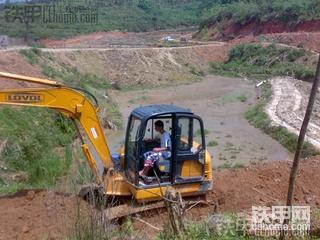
pixel 25 98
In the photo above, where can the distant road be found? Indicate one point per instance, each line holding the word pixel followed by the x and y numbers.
pixel 17 48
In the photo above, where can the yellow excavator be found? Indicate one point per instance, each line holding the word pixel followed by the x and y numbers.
pixel 187 171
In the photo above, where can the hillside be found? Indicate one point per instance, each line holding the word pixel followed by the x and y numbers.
pixel 142 15
pixel 239 18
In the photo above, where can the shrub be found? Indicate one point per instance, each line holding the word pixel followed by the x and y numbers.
pixel 257 61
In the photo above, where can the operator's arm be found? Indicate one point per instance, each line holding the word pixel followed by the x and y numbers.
pixel 160 149
pixel 71 103
pixel 165 143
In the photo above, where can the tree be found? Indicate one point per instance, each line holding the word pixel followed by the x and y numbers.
pixel 304 127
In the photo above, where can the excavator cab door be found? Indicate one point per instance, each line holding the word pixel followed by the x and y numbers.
pixel 132 149
pixel 189 154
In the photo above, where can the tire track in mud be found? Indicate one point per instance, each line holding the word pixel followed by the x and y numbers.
pixel 288 105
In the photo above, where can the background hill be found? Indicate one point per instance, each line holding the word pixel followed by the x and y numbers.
pixel 128 15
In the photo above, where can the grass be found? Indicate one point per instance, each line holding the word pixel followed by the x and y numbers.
pixel 198 132
pixel 222 227
pixel 213 143
pixel 260 62
pixel 227 226
pixel 242 97
pixel 233 97
pixel 197 72
pixel 230 165
pixel 38 143
pixel 32 55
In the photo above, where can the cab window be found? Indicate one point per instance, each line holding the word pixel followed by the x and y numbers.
pixel 184 143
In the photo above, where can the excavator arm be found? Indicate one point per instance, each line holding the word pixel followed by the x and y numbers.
pixel 72 103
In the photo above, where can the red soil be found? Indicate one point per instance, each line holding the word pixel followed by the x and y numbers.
pixel 232 30
pixel 41 215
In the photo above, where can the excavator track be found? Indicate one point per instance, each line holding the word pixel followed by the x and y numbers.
pixel 126 210
pixel 118 208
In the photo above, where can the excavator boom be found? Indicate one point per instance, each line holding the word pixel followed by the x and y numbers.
pixel 73 104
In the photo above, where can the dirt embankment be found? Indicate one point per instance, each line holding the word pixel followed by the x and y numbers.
pixel 287 108
pixel 13 62
pixel 39 215
pixel 144 66
pixel 129 66
pixel 46 214
pixel 118 39
pixel 228 29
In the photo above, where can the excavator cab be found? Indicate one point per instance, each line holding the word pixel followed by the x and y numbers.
pixel 187 161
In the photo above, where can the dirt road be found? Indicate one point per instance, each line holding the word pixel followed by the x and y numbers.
pixel 221 102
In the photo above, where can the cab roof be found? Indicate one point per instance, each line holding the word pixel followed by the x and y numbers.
pixel 153 110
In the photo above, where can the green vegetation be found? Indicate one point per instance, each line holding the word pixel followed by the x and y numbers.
pixel 32 55
pixel 213 143
pixel 127 15
pixel 198 132
pixel 37 143
pixel 260 119
pixel 233 97
pixel 222 227
pixel 232 165
pixel 260 62
pixel 197 72
pixel 288 11
pixel 242 97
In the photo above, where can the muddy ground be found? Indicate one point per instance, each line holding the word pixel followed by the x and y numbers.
pixel 49 215
pixel 221 102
